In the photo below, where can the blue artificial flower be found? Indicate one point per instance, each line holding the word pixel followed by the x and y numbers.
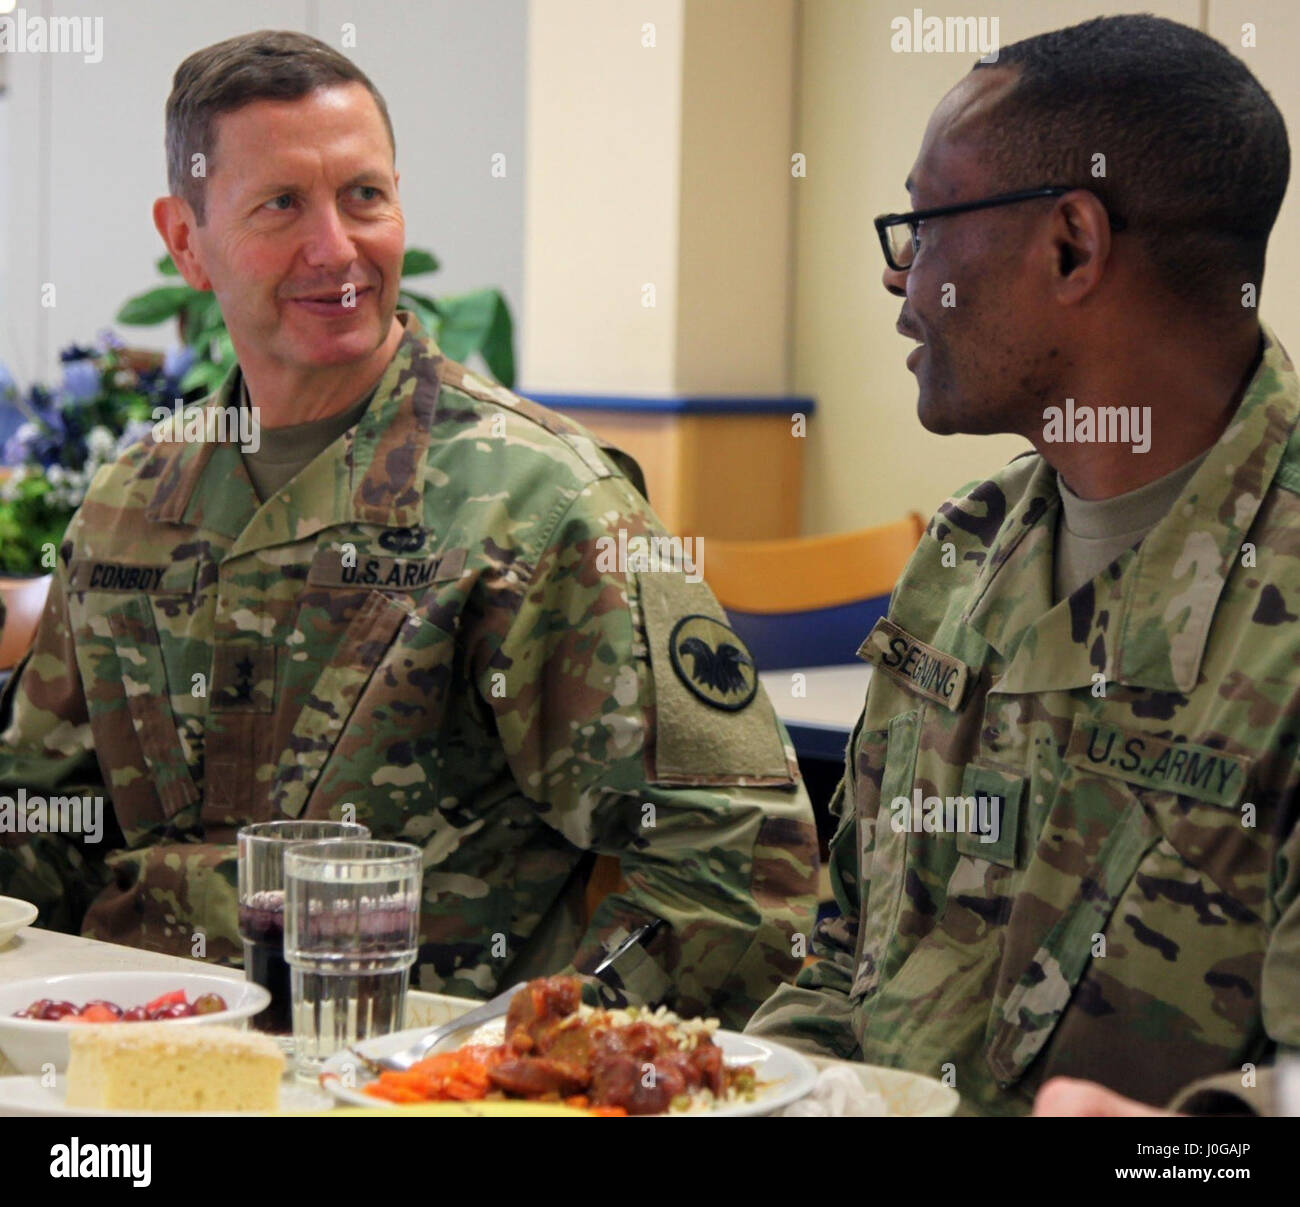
pixel 26 444
pixel 177 361
pixel 15 447
pixel 49 441
pixel 11 418
pixel 80 379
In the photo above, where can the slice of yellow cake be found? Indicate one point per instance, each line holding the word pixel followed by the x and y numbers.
pixel 165 1067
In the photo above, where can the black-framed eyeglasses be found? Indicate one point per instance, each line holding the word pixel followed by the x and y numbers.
pixel 900 240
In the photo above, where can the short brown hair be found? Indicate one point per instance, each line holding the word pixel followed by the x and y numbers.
pixel 267 65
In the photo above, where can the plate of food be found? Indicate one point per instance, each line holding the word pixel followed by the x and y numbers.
pixel 552 1047
pixel 38 1014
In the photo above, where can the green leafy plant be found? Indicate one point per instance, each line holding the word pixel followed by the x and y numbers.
pixel 477 322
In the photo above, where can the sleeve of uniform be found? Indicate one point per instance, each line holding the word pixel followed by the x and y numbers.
pixel 1232 1094
pixel 46 748
pixel 701 803
pixel 814 1013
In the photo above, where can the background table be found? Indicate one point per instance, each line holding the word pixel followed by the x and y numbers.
pixel 822 718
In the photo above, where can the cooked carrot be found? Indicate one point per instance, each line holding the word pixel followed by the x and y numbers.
pixel 461 1076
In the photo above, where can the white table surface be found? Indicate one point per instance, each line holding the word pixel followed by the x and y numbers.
pixel 33 952
pixel 832 695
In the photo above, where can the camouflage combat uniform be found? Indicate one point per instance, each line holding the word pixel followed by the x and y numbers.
pixel 1136 922
pixel 420 625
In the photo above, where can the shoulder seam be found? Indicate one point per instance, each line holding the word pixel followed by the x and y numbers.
pixel 494 394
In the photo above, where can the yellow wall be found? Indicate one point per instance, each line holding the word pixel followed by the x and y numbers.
pixel 861 112
pixel 734 221
pixel 658 156
pixel 601 196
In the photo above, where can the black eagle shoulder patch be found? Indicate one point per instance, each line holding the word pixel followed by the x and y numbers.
pixel 713 663
pixel 713 723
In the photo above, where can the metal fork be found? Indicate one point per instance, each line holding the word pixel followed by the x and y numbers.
pixel 494 1008
pixel 403 1060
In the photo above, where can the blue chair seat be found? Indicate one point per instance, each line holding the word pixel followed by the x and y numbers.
pixel 817 637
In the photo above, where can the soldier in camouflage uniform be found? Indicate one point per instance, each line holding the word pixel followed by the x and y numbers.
pixel 1067 840
pixel 425 625
pixel 1150 825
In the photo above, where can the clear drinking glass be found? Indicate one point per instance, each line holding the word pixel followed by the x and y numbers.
pixel 261 908
pixel 352 912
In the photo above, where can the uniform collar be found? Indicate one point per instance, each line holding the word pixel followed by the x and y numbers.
pixel 1143 621
pixel 373 474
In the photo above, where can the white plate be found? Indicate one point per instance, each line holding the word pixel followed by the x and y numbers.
pixel 907 1095
pixel 14 915
pixel 31 1043
pixel 789 1075
pixel 27 1096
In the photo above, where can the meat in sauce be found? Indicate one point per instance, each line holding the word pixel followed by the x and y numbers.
pixel 550 1051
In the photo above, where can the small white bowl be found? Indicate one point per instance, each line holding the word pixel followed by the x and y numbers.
pixel 31 1043
pixel 14 915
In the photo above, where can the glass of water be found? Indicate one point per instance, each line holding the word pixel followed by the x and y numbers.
pixel 351 914
pixel 261 908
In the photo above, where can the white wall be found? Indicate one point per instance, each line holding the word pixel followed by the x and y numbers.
pixel 84 160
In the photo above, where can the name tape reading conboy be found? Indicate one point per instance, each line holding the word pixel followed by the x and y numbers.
pixel 922 668
pixel 91 574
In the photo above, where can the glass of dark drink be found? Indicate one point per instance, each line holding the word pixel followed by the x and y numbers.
pixel 261 909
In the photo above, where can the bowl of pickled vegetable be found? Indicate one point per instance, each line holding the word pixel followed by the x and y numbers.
pixel 38 1014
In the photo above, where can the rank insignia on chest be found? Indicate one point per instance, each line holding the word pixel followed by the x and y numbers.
pixel 713 663
pixel 920 667
pixel 402 540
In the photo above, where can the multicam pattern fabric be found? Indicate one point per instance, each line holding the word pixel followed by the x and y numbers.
pixel 1135 919
pixel 416 626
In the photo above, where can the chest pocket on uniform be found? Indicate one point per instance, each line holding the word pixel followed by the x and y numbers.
pixel 144 757
pixel 883 857
pixel 1095 837
pixel 385 687
pixel 148 701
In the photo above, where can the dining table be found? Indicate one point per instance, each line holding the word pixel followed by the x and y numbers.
pixel 35 952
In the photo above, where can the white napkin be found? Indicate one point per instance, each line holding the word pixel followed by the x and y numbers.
pixel 838 1092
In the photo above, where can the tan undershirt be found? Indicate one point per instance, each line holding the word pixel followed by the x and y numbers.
pixel 1092 533
pixel 285 451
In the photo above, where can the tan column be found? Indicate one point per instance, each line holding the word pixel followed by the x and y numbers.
pixel 657 236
